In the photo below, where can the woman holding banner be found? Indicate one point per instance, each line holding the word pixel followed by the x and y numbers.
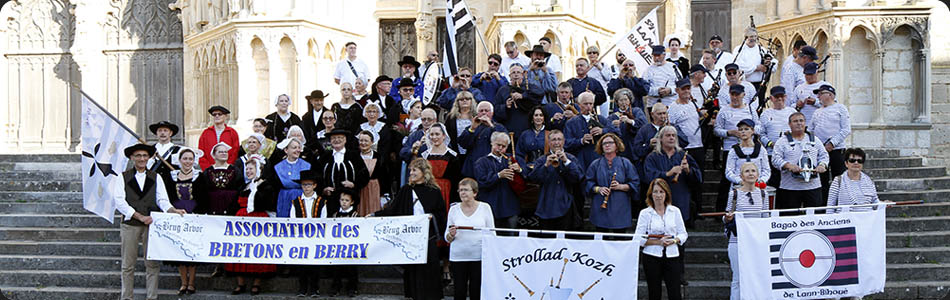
pixel 188 192
pixel 854 186
pixel 745 198
pixel 465 250
pixel 252 200
pixel 663 223
pixel 421 196
pixel 612 181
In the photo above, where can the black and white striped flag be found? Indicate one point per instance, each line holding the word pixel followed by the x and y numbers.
pixel 457 18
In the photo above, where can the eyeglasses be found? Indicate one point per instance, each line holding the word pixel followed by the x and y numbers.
pixel 217 114
pixel 608 143
pixel 407 90
pixel 510 52
pixel 493 63
pixel 856 160
pixel 329 118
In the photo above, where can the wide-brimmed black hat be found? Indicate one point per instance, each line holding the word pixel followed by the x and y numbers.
pixel 380 79
pixel 137 147
pixel 219 108
pixel 307 175
pixel 154 127
pixel 316 94
pixel 405 82
pixel 409 59
pixel 538 49
pixel 338 131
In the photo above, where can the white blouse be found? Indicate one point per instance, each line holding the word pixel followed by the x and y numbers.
pixel 671 223
pixel 467 245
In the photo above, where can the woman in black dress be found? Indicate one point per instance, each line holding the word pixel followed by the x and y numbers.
pixel 279 122
pixel 421 281
pixel 187 191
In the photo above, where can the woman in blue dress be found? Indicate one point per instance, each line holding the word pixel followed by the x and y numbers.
pixel 287 171
pixel 612 181
pixel 531 141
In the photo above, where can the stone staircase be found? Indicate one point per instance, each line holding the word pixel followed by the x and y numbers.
pixel 51 248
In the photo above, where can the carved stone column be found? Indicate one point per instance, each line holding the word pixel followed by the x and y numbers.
pixel 425 30
pixel 923 104
pixel 877 85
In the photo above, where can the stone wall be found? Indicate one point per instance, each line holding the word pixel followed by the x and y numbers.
pixel 940 134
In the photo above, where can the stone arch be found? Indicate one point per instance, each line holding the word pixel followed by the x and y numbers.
pixel 262 71
pixel 820 42
pixel 859 67
pixel 521 41
pixel 288 62
pixel 556 47
pixel 900 75
pixel 328 51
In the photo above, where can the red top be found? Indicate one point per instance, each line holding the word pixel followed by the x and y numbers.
pixel 208 139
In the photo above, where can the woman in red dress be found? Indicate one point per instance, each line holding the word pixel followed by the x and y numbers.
pixel 253 201
pixel 446 167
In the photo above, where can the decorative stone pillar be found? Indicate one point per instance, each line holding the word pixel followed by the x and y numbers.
pixel 278 77
pixel 877 85
pixel 923 105
pixel 425 30
pixel 678 18
pixel 246 79
pixel 87 51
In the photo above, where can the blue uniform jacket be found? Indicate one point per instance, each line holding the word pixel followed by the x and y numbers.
pixel 556 196
pixel 618 213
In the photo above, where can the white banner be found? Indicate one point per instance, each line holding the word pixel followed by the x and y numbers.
pixel 558 269
pixel 636 43
pixel 103 158
pixel 812 256
pixel 356 241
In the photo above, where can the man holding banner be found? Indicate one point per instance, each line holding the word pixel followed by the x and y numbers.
pixel 137 194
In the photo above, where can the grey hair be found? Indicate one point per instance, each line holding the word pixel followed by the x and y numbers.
pixel 498 135
pixel 659 135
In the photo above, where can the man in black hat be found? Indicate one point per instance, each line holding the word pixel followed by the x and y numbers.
pixel 409 69
pixel 662 76
pixel 804 98
pixel 553 62
pixel 218 132
pixel 793 73
pixel 168 151
pixel 734 77
pixel 407 89
pixel 137 195
pixel 773 123
pixel 311 122
pixel 512 56
pixel 380 96
pixel 340 167
pixel 722 57
pixel 831 125
pixel 539 74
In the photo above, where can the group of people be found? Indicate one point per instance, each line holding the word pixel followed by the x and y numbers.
pixel 510 142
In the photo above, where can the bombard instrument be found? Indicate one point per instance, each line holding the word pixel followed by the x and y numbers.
pixel 581 295
pixel 530 292
pixel 594 122
pixel 607 197
pixel 517 184
pixel 676 178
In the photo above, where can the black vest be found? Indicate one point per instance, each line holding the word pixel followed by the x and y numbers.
pixel 314 211
pixel 143 201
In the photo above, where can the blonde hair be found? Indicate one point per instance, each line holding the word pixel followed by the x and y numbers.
pixel 456 110
pixel 427 178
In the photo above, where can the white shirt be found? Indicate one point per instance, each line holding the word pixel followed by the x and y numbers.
pixel 793 75
pixel 417 208
pixel 786 152
pixel 685 117
pixel 118 191
pixel 661 76
pixel 743 203
pixel 671 223
pixel 554 64
pixel 831 124
pixel 772 123
pixel 467 245
pixel 344 74
pixel 844 191
pixel 749 58
pixel 338 156
pixel 724 58
pixel 734 164
pixel 307 204
pixel 317 116
pixel 161 149
pixel 602 75
pixel 507 61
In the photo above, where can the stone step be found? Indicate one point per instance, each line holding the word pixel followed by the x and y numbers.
pixel 882 153
pixel 59 234
pixel 42 208
pixel 929 195
pixel 40 196
pixel 55 292
pixel 41 166
pixel 40 176
pixel 171 280
pixel 39 158
pixel 894 162
pixel 62 221
pixel 913 172
pixel 41 185
pixel 934 183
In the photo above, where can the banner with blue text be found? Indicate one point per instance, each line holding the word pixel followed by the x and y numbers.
pixel 558 269
pixel 351 241
pixel 813 256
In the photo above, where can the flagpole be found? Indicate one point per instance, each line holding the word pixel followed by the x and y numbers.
pixel 136 136
pixel 475 26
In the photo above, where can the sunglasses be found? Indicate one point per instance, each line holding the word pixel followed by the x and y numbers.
pixel 856 160
pixel 732 73
pixel 408 89
pixel 509 52
pixel 217 114
pixel 593 52
pixel 465 75
pixel 493 63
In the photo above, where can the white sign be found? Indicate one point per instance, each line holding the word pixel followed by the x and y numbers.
pixel 812 256
pixel 356 241
pixel 636 43
pixel 558 269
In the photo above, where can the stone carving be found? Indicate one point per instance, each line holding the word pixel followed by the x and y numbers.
pixel 425 26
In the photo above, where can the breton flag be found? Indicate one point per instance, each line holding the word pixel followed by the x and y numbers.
pixel 104 140
pixel 457 18
pixel 636 43
pixel 812 256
